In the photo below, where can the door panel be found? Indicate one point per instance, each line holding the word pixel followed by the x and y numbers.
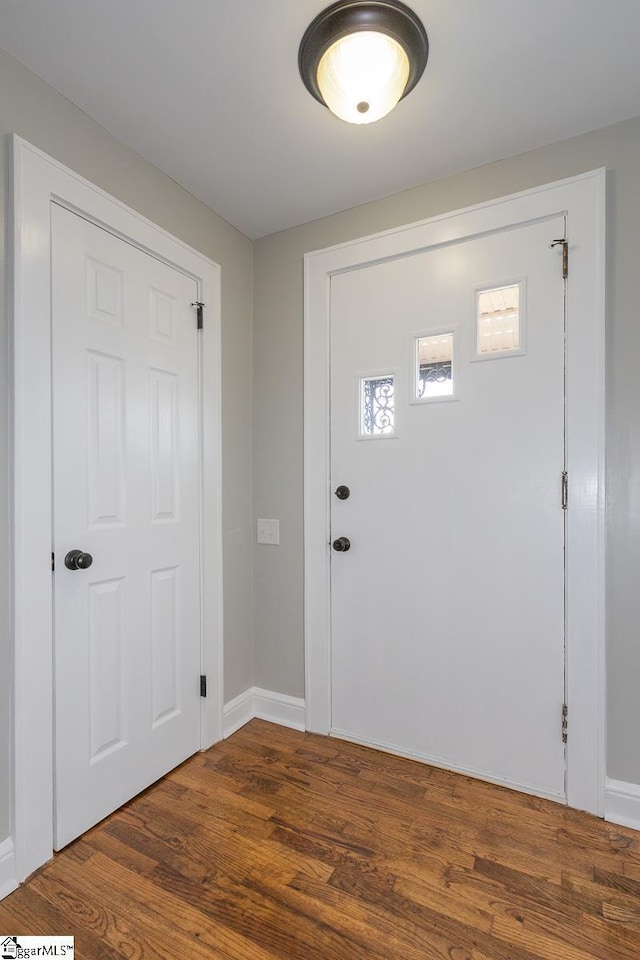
pixel 126 490
pixel 448 610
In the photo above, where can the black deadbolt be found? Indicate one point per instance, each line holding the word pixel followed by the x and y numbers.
pixel 343 493
pixel 77 560
pixel 342 544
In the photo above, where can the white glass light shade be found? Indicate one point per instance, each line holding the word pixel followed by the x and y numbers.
pixel 363 75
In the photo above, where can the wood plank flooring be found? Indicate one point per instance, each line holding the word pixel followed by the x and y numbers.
pixel 278 844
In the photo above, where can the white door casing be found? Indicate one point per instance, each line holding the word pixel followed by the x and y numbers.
pixel 37 182
pixel 125 490
pixel 582 201
pixel 447 623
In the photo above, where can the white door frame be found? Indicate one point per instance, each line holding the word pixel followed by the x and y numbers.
pixel 37 181
pixel 582 201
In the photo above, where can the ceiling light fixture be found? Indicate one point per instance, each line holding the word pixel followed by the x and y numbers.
pixel 359 59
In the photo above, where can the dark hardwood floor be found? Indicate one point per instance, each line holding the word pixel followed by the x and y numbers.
pixel 277 844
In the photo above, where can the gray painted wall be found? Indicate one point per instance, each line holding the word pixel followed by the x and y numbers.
pixel 277 392
pixel 33 110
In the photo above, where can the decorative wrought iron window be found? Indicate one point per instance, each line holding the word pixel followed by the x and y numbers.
pixel 377 399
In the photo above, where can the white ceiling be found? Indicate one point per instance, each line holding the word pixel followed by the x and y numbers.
pixel 208 91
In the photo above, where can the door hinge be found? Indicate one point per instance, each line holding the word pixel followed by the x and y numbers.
pixel 564 243
pixel 565 490
pixel 203 685
pixel 565 722
pixel 200 321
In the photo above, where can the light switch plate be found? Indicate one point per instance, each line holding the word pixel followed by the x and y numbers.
pixel 269 532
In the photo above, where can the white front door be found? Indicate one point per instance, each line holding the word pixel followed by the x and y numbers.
pixel 126 491
pixel 447 426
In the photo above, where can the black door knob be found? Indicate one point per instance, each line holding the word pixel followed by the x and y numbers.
pixel 77 560
pixel 342 544
pixel 342 492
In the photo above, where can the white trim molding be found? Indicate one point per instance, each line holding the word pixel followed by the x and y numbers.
pixel 581 200
pixel 8 881
pixel 280 708
pixel 238 711
pixel 622 803
pixel 36 182
pixel 263 705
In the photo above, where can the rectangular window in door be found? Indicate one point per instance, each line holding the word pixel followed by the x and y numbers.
pixel 435 366
pixel 377 401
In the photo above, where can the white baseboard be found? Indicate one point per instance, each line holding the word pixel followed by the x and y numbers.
pixel 238 712
pixel 622 803
pixel 279 708
pixel 264 705
pixel 8 881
